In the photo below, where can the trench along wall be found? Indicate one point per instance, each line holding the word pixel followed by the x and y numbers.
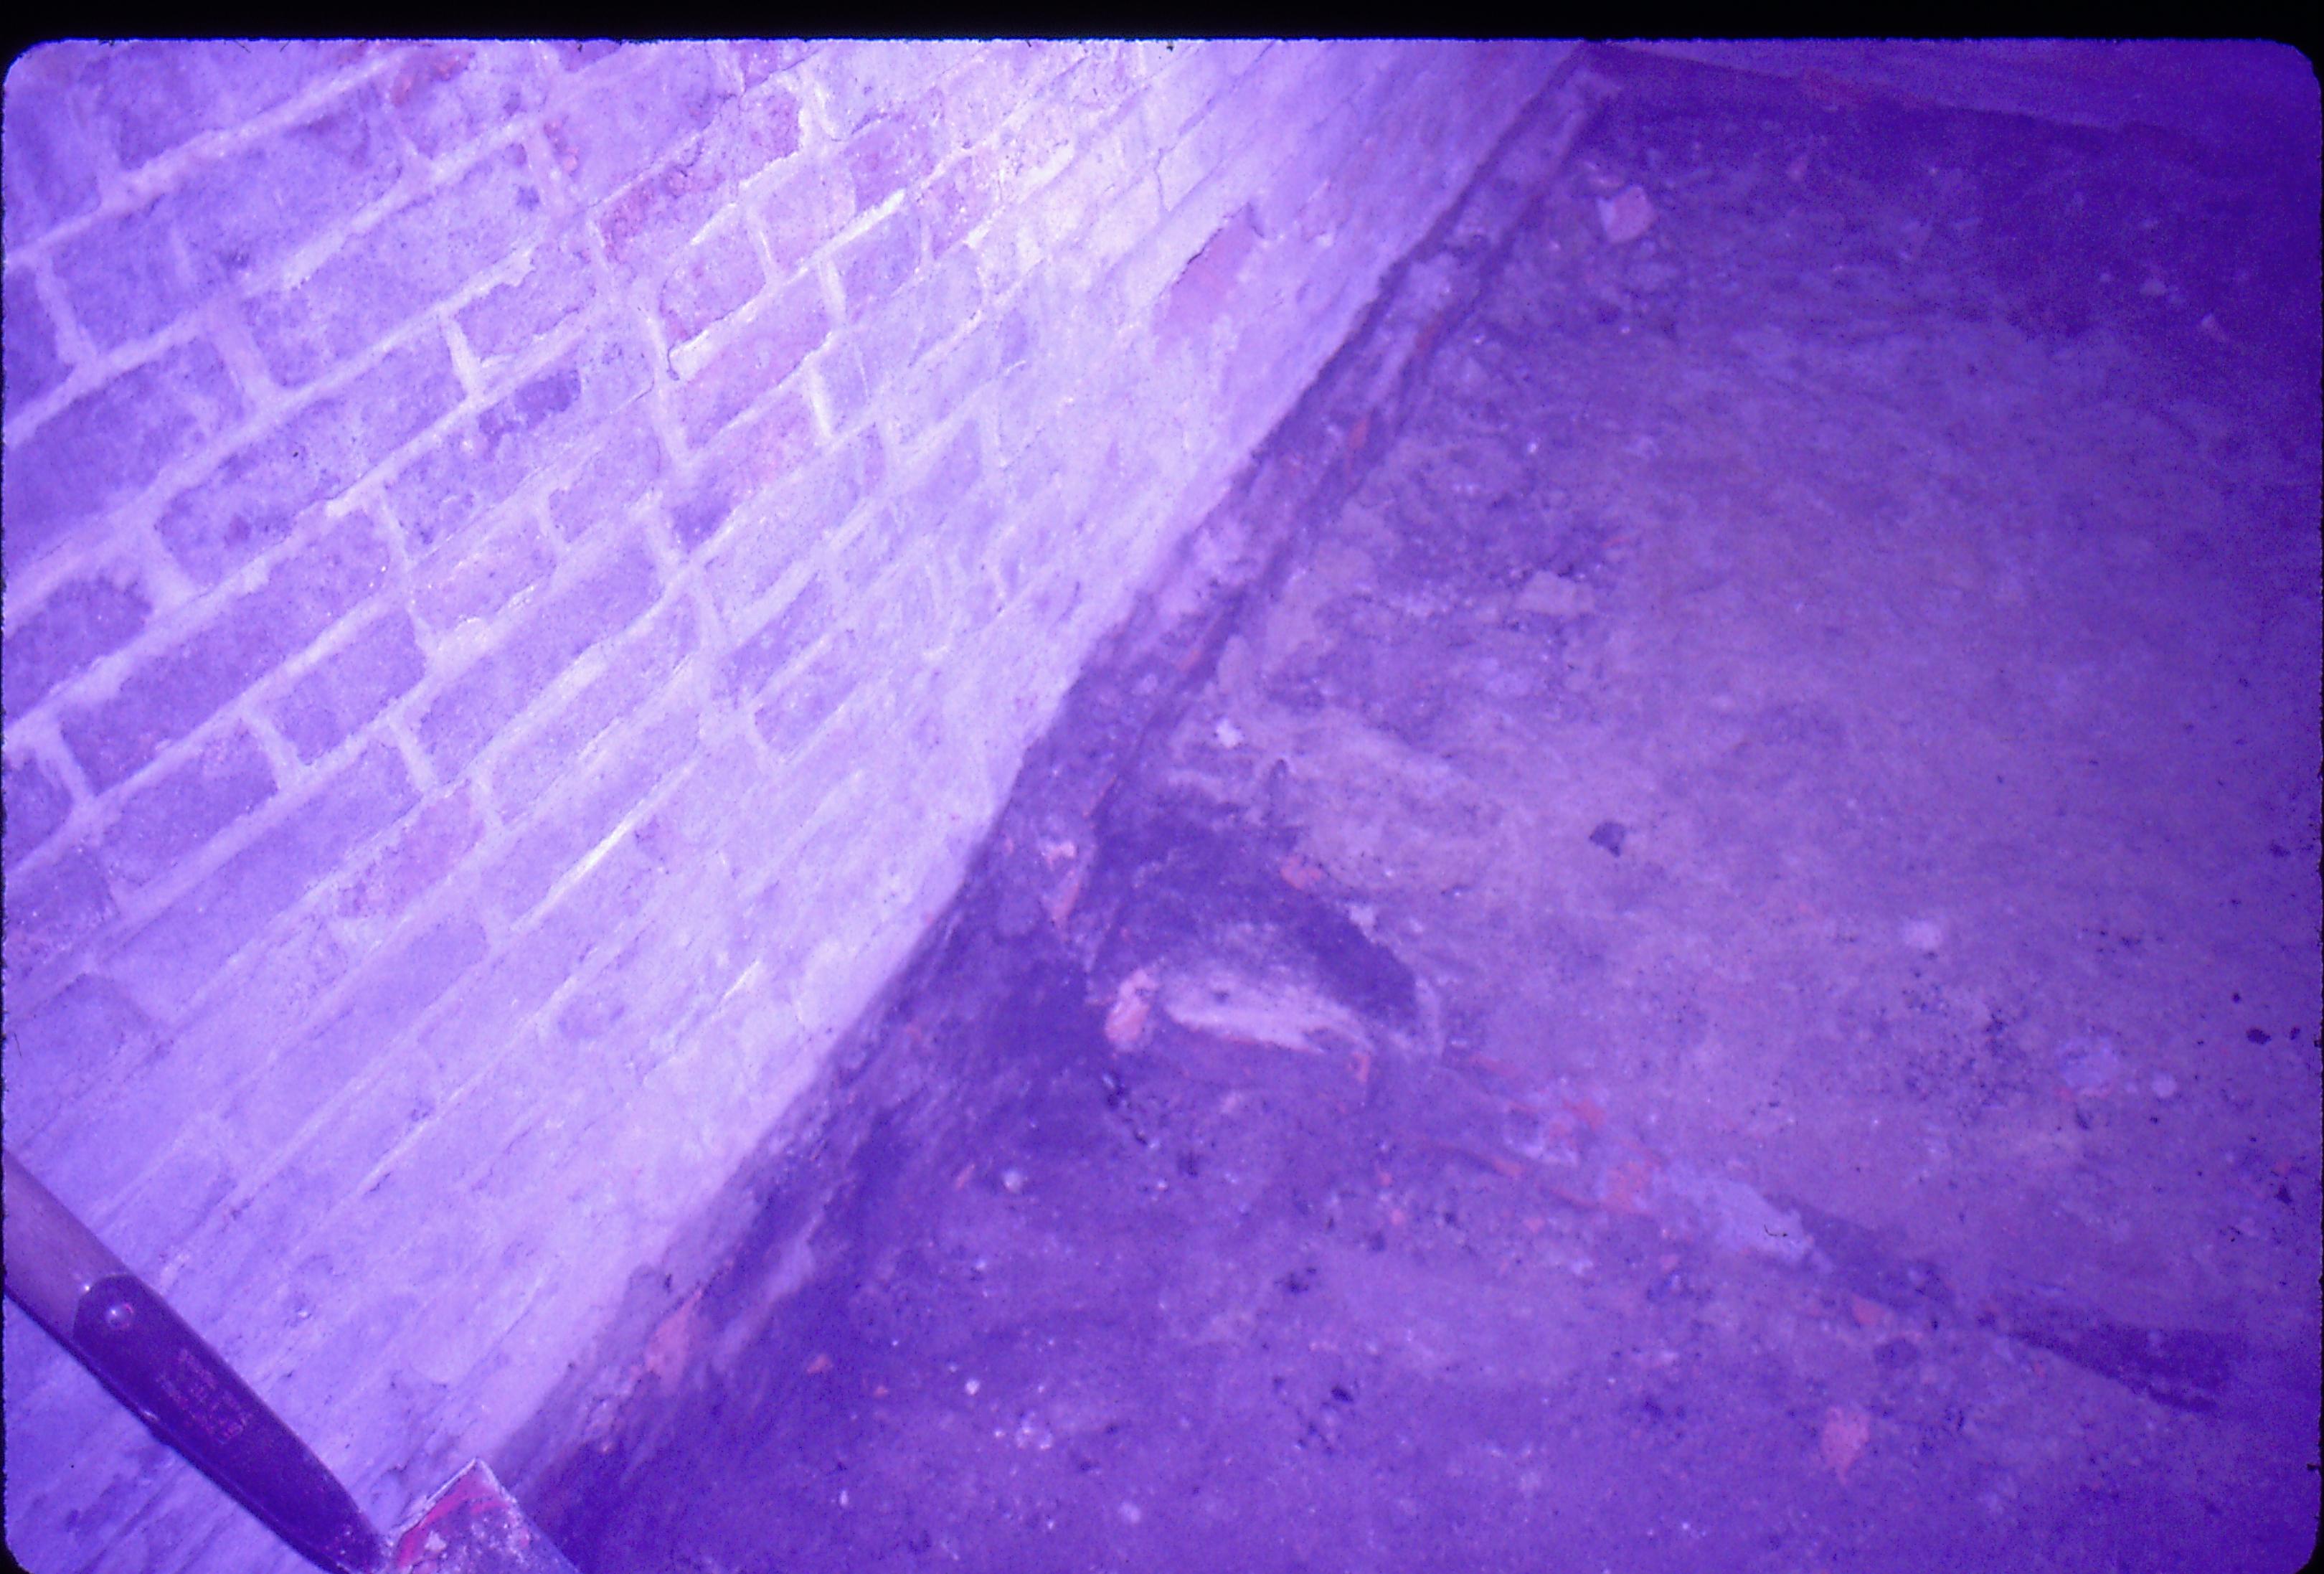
pixel 529 569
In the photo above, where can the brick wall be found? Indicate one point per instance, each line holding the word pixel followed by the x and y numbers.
pixel 528 567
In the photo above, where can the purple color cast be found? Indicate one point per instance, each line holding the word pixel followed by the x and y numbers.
pixel 482 700
pixel 172 818
pixel 35 805
pixel 349 687
pixel 107 446
pixel 173 956
pixel 264 490
pixel 81 621
pixel 171 693
pixel 483 459
pixel 53 909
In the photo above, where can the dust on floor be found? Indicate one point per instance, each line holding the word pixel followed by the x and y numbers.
pixel 1724 974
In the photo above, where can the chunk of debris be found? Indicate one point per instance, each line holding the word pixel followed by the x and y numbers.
pixel 1627 215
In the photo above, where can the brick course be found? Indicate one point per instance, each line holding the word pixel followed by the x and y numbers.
pixel 528 567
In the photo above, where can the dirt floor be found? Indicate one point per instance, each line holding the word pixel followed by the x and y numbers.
pixel 1723 974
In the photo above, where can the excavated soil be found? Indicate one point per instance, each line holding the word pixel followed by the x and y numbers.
pixel 1721 972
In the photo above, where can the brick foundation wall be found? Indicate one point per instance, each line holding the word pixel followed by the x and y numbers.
pixel 529 569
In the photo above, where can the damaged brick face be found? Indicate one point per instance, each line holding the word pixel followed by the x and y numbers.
pixel 482 522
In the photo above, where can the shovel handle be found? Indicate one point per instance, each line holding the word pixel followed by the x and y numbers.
pixel 179 1386
pixel 53 1258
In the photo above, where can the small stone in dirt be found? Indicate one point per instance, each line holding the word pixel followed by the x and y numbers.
pixel 1627 215
pixel 1552 595
pixel 1846 1431
pixel 1926 935
pixel 1609 835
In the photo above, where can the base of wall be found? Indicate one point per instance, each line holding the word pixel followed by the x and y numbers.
pixel 746 1253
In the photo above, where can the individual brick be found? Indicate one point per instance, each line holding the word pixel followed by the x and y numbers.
pixel 878 262
pixel 697 509
pixel 1180 90
pixel 861 78
pixel 898 334
pixel 179 1193
pixel 948 476
pixel 953 204
pixel 84 1032
pixel 633 672
pixel 1099 80
pixel 1025 153
pixel 558 282
pixel 771 648
pixel 1133 215
pixel 973 100
pixel 488 1010
pixel 446 94
pixel 761 58
pixel 702 811
pixel 172 957
pixel 718 273
pixel 762 352
pixel 176 690
pixel 35 803
pixel 1025 409
pixel 272 996
pixel 624 466
pixel 622 113
pixel 398 267
pixel 108 445
pixel 630 979
pixel 350 685
pixel 127 276
pixel 263 490
pixel 243 213
pixel 947 379
pixel 482 700
pixel 770 443
pixel 803 701
pixel 161 824
pixel 1206 286
pixel 389 993
pixel 495 1115
pixel 655 213
pixel 807 205
pixel 452 588
pixel 48 160
pixel 836 383
pixel 482 459
pixel 902 612
pixel 1202 148
pixel 796 513
pixel 567 828
pixel 968 539
pixel 81 620
pixel 53 909
pixel 1008 250
pixel 890 152
pixel 422 853
pixel 152 96
pixel 33 363
pixel 1097 175
pixel 627 1018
